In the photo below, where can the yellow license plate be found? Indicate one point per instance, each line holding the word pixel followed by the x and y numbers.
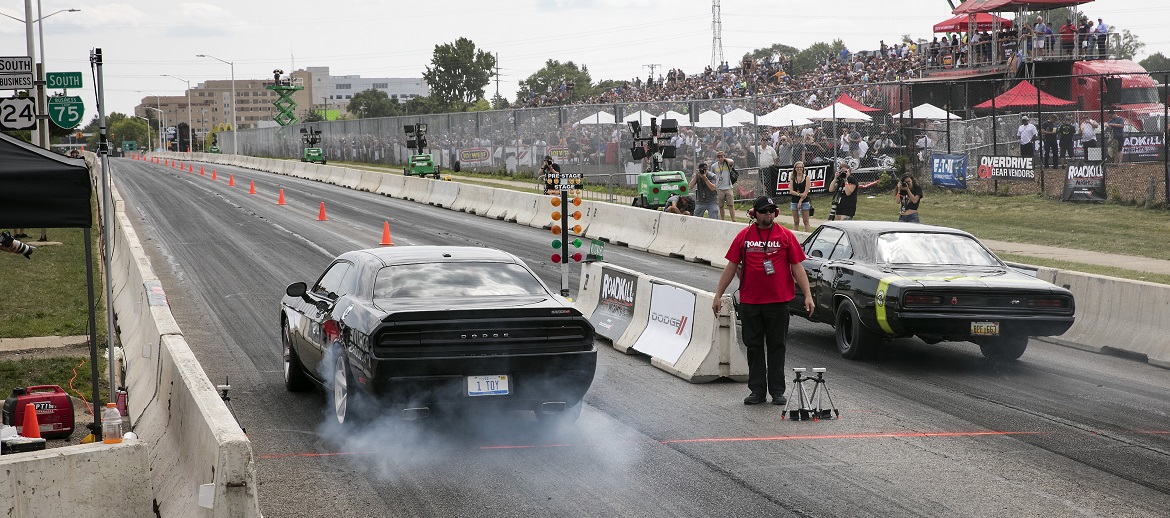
pixel 985 328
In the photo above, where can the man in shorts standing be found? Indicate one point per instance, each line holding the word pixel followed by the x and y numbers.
pixel 722 170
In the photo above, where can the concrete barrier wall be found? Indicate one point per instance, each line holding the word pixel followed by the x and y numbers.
pixel 694 239
pixel 84 480
pixel 630 226
pixel 474 199
pixel 192 439
pixel 442 193
pixel 392 185
pixel 370 181
pixel 713 351
pixel 415 189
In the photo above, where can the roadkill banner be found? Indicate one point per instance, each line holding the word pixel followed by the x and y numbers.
pixel 1084 181
pixel 1006 168
pixel 615 303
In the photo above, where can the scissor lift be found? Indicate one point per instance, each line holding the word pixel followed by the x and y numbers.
pixel 285 88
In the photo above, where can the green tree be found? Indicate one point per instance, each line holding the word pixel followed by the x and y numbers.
pixel 812 57
pixel 373 103
pixel 1156 62
pixel 459 73
pixel 552 75
pixel 500 102
pixel 128 129
pixel 776 50
pixel 313 116
pixel 1130 45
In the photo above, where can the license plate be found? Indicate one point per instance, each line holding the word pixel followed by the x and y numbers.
pixel 985 328
pixel 494 385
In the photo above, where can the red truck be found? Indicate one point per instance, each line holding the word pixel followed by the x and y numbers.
pixel 1127 88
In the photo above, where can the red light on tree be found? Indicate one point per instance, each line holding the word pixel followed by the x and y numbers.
pixel 556 258
pixel 577 257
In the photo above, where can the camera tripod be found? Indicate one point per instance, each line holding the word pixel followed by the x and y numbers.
pixel 819 393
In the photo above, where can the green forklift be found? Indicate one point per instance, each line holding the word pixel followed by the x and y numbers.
pixel 311 137
pixel 419 164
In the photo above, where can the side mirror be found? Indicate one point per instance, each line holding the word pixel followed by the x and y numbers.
pixel 297 289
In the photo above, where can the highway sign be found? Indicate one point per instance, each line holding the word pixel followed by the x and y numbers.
pixel 66 110
pixel 63 79
pixel 17 114
pixel 16 73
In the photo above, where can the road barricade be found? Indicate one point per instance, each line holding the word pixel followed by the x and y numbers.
pixel 415 189
pixel 694 239
pixel 631 226
pixel 1117 314
pixel 474 199
pixel 350 178
pixel 392 185
pixel 369 181
pixel 670 322
pixel 83 480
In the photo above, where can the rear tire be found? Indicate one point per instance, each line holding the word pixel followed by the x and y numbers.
pixel 1004 349
pixel 341 395
pixel 295 379
pixel 639 201
pixel 854 341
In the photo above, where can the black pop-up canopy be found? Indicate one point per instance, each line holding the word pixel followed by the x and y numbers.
pixel 40 188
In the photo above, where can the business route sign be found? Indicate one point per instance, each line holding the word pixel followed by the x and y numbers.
pixel 66 111
pixel 16 73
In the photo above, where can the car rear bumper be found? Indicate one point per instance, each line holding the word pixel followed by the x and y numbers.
pixel 959 325
pixel 533 379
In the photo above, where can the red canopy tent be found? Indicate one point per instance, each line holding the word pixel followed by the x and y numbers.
pixel 1023 96
pixel 983 22
pixel 855 104
pixel 997 6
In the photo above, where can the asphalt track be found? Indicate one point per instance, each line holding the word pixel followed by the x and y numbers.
pixel 924 430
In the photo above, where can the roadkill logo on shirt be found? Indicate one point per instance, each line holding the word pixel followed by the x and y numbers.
pixel 760 245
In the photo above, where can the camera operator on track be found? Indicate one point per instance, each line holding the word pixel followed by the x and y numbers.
pixel 706 196
pixel 909 194
pixel 680 204
pixel 549 166
pixel 845 187
pixel 767 257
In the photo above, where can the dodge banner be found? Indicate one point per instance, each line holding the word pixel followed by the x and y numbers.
pixel 615 303
pixel 668 333
pixel 1084 181
pixel 819 175
pixel 1006 168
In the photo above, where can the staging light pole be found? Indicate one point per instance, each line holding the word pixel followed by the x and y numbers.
pixel 235 147
pixel 161 118
pixel 190 132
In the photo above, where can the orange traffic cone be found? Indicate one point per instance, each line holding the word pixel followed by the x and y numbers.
pixel 201 171
pixel 252 187
pixel 386 241
pixel 213 176
pixel 321 214
pixel 31 428
pixel 280 201
pixel 231 179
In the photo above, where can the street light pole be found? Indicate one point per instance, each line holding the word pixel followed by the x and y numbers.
pixel 235 130
pixel 28 33
pixel 190 132
pixel 40 74
pixel 42 94
pixel 161 122
pixel 147 129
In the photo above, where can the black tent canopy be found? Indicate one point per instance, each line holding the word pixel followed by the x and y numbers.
pixel 40 188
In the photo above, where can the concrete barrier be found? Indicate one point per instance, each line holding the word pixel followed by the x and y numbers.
pixel 370 181
pixel 631 226
pixel 350 178
pixel 415 189
pixel 191 436
pixel 1117 314
pixel 473 199
pixel 678 331
pixel 392 185
pixel 442 193
pixel 694 239
pixel 84 480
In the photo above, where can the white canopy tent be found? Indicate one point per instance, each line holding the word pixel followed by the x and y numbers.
pixel 739 115
pixel 682 118
pixel 641 116
pixel 927 111
pixel 601 117
pixel 788 115
pixel 712 119
pixel 840 112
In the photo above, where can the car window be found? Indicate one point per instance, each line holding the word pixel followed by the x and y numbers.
pixel 933 248
pixel 455 280
pixel 843 250
pixel 824 242
pixel 330 284
pixel 666 177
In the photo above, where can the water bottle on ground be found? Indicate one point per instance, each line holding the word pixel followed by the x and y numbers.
pixel 111 424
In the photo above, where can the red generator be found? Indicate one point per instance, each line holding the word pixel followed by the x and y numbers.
pixel 53 405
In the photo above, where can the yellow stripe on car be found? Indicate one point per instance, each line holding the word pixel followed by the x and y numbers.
pixel 879 301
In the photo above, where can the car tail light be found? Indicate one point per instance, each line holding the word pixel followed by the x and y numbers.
pixel 1048 302
pixel 331 330
pixel 683 188
pixel 912 299
pixel 655 190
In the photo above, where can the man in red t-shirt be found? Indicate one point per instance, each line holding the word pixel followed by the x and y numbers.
pixel 768 257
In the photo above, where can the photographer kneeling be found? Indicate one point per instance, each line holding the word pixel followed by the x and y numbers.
pixel 679 204
pixel 909 194
pixel 845 199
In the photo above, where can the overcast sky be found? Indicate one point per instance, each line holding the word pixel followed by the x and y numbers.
pixel 616 39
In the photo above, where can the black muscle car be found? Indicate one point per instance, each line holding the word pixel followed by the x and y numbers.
pixel 414 329
pixel 878 280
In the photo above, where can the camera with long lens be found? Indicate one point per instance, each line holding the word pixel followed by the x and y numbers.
pixel 11 244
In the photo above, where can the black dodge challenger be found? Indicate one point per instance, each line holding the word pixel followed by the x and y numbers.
pixel 411 330
pixel 876 280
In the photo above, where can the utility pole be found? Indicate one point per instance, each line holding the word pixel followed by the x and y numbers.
pixel 652 67
pixel 497 74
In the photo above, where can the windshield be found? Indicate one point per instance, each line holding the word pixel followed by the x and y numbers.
pixel 442 280
pixel 1146 95
pixel 666 177
pixel 932 249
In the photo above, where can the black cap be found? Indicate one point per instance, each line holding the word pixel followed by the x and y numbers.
pixel 763 202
